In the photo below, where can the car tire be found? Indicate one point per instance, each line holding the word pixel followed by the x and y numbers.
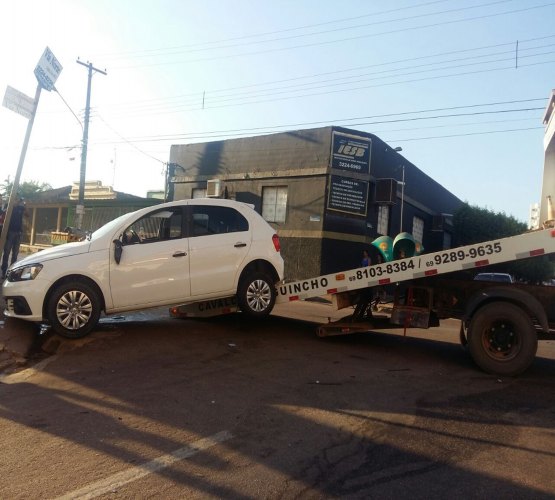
pixel 256 295
pixel 74 310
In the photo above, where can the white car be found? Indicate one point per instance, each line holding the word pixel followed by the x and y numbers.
pixel 174 253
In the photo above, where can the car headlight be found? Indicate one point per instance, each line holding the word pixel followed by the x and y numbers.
pixel 24 273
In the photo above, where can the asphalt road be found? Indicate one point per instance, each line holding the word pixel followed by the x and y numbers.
pixel 153 407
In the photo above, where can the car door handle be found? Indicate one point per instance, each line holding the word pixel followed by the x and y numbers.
pixel 239 245
pixel 179 254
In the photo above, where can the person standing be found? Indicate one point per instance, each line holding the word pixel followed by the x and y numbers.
pixel 365 259
pixel 13 238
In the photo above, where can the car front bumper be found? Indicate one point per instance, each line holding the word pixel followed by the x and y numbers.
pixel 24 299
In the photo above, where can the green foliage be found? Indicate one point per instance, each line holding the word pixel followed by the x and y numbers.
pixel 472 224
pixel 26 189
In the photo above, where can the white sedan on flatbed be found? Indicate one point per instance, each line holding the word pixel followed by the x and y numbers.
pixel 174 253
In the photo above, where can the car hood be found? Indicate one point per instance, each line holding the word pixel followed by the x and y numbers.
pixel 57 252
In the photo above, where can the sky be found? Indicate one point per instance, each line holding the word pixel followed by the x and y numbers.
pixel 460 85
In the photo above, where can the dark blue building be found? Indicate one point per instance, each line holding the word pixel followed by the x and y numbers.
pixel 329 192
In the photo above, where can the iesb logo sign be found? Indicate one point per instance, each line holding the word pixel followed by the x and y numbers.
pixel 350 153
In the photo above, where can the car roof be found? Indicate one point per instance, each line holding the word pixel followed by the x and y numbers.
pixel 222 202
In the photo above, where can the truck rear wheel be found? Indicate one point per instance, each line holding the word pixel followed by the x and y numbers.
pixel 502 339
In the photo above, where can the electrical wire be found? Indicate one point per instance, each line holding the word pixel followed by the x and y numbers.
pixel 255 99
pixel 197 95
pixel 225 45
pixel 176 105
pixel 266 130
pixel 68 107
pixel 268 33
pixel 347 39
pixel 464 135
pixel 127 141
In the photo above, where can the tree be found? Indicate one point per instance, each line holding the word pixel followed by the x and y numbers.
pixel 472 224
pixel 26 189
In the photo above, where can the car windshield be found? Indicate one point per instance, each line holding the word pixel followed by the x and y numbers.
pixel 109 226
pixel 507 278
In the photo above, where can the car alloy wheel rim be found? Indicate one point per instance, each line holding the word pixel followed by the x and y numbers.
pixel 74 310
pixel 259 295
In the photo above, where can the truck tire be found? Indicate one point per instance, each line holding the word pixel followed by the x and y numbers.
pixel 73 310
pixel 502 339
pixel 256 295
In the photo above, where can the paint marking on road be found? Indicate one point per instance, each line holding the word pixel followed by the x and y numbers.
pixel 122 478
pixel 23 375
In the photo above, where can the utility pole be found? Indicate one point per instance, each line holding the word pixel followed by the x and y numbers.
pixel 80 208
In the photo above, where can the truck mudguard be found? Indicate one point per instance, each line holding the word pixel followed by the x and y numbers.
pixel 514 295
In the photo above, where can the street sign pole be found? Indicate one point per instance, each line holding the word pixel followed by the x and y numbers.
pixel 46 71
pixel 15 187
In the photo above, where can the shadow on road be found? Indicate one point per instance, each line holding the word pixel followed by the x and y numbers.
pixel 363 416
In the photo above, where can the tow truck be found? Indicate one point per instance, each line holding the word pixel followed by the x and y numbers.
pixel 501 323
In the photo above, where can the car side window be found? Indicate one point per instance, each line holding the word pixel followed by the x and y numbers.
pixel 159 225
pixel 209 220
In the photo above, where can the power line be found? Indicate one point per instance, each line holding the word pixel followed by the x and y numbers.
pixel 536 118
pixel 239 99
pixel 465 135
pixel 285 30
pixel 351 81
pixel 196 95
pixel 127 141
pixel 348 39
pixel 378 119
pixel 266 130
pixel 263 131
pixel 177 108
pixel 384 115
pixel 387 84
pixel 68 107
pixel 226 45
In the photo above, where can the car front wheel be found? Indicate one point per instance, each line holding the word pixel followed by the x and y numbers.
pixel 256 295
pixel 73 310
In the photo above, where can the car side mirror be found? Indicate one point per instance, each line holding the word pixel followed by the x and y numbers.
pixel 118 248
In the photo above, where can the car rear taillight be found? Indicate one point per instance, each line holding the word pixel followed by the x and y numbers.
pixel 275 240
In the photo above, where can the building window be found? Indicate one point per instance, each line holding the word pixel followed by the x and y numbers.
pixel 199 193
pixel 417 229
pixel 383 219
pixel 274 203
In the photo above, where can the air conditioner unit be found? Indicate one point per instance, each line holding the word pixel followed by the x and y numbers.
pixel 213 188
pixel 386 191
pixel 442 222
